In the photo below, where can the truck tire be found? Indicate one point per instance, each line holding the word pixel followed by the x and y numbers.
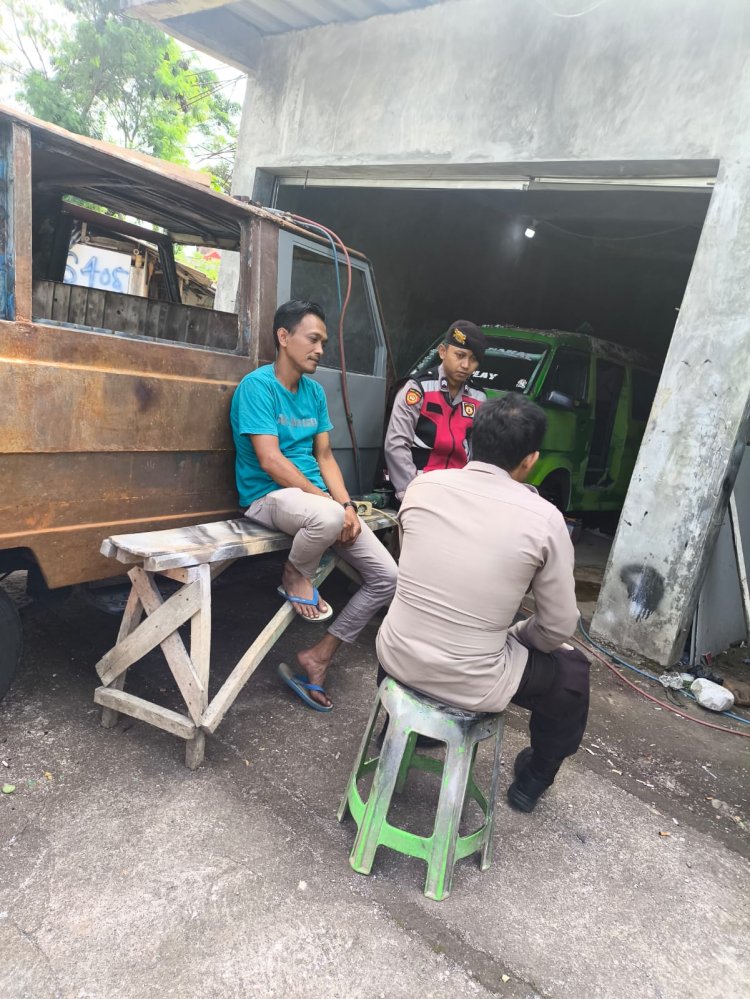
pixel 10 642
pixel 556 488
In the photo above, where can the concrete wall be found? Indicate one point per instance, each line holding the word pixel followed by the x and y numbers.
pixel 508 88
pixel 482 81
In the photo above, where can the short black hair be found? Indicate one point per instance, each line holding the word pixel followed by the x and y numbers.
pixel 291 314
pixel 506 430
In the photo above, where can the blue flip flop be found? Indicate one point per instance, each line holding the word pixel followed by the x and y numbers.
pixel 300 686
pixel 323 616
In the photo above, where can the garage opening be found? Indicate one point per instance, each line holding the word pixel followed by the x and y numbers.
pixel 616 259
pixel 610 258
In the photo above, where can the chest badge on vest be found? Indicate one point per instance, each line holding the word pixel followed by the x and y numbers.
pixel 413 396
pixel 468 409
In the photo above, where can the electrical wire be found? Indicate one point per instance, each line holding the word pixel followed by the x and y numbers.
pixel 651 676
pixel 591 646
pixel 614 239
pixel 333 236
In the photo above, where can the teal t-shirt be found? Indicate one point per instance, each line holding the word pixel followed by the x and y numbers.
pixel 262 405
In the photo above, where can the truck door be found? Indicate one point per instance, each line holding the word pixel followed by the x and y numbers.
pixel 610 425
pixel 307 271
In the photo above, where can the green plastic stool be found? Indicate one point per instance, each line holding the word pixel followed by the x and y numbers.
pixel 411 714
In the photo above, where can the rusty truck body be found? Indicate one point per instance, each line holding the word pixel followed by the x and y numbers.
pixel 114 406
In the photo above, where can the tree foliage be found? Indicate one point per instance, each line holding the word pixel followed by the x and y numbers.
pixel 85 66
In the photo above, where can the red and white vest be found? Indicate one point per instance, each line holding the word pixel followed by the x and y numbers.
pixel 441 438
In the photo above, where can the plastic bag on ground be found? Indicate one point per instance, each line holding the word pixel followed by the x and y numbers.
pixel 710 695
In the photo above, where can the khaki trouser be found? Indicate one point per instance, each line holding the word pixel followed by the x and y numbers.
pixel 315 522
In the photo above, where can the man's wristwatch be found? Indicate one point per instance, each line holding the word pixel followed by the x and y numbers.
pixel 350 503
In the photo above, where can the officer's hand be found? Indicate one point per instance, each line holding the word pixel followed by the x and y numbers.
pixel 352 527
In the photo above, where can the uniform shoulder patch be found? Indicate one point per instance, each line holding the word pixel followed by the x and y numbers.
pixel 413 396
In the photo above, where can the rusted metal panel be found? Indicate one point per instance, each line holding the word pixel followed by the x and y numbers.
pixel 15 221
pixel 20 209
pixel 121 313
pixel 263 278
pixel 103 435
pixel 246 343
pixel 103 405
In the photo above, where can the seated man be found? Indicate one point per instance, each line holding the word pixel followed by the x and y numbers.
pixel 474 540
pixel 432 415
pixel 288 479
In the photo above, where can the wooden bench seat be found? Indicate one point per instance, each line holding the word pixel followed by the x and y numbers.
pixel 192 556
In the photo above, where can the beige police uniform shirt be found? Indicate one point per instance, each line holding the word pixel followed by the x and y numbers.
pixel 473 542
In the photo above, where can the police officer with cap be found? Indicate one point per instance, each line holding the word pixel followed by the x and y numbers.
pixel 432 414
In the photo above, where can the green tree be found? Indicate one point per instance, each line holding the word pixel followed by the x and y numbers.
pixel 85 66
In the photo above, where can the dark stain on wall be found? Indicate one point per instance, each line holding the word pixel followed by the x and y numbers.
pixel 645 588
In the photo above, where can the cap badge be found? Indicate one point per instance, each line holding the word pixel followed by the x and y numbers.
pixel 460 336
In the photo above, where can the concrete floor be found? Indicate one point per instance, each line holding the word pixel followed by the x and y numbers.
pixel 122 874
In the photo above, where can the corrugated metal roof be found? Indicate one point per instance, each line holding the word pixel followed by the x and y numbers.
pixel 232 31
pixel 274 17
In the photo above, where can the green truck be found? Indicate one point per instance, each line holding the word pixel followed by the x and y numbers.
pixel 597 397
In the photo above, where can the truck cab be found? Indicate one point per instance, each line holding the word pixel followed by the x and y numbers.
pixel 597 397
pixel 116 371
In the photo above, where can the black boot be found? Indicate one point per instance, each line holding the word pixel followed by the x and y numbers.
pixel 529 785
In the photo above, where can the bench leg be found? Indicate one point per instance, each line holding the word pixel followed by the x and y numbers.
pixel 110 717
pixel 131 618
pixel 195 749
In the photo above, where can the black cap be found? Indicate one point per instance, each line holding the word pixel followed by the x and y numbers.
pixel 467 336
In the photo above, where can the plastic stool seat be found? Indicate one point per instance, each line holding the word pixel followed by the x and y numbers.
pixel 411 714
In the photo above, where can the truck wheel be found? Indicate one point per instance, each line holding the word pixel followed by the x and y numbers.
pixel 10 642
pixel 555 489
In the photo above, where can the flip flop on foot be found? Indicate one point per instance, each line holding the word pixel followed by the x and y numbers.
pixel 301 686
pixel 322 616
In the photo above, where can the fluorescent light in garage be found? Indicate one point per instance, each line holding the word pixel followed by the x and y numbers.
pixel 623 183
pixel 412 183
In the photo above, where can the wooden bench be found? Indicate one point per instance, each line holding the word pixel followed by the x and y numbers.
pixel 193 557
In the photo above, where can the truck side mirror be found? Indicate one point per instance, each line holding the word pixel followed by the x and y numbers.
pixel 558 399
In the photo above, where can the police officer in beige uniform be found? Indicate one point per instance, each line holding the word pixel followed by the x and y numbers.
pixel 449 633
pixel 432 415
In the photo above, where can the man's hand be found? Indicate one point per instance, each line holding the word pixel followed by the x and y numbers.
pixel 352 527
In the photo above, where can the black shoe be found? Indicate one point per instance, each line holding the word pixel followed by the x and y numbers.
pixel 522 760
pixel 526 789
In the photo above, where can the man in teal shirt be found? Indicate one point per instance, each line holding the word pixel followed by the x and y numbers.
pixel 289 480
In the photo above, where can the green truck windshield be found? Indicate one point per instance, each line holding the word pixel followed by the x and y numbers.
pixel 510 366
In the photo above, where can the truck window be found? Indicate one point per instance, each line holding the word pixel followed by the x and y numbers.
pixel 569 374
pixel 313 278
pixel 510 365
pixel 643 391
pixel 120 277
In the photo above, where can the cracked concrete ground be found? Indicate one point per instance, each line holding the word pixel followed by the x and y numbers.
pixel 124 875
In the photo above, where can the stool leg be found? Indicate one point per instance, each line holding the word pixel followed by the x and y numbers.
pixel 485 858
pixel 403 770
pixel 379 801
pixel 360 759
pixel 458 761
